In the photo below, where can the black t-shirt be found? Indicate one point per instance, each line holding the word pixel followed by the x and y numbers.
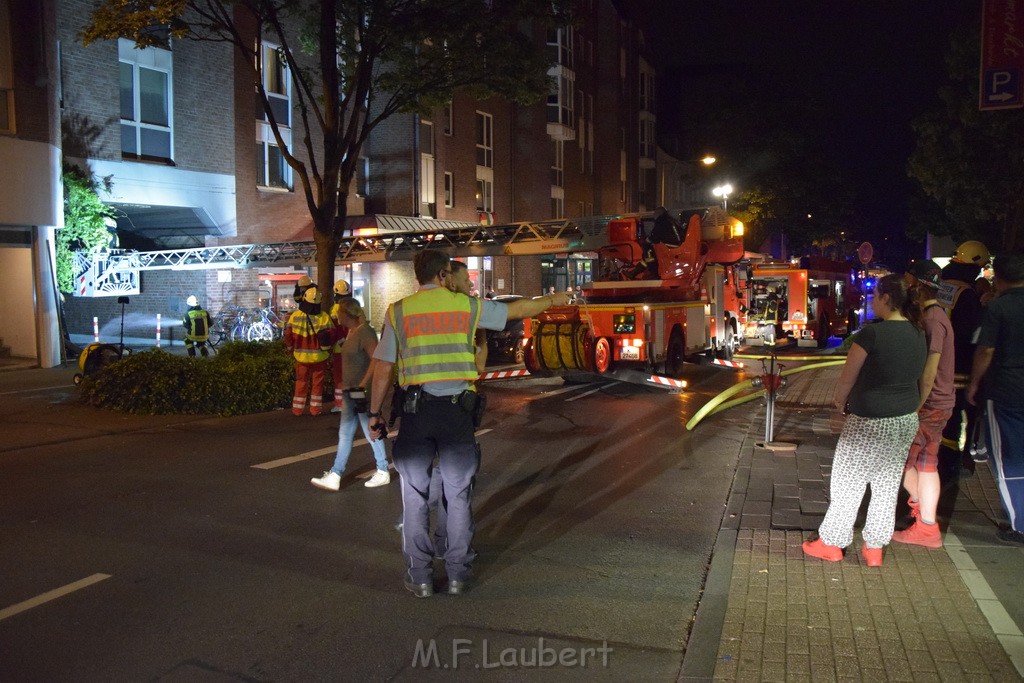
pixel 887 383
pixel 1002 328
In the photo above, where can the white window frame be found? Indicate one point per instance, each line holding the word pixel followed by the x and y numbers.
pixel 484 140
pixel 428 180
pixel 152 59
pixel 558 164
pixel 484 189
pixel 264 132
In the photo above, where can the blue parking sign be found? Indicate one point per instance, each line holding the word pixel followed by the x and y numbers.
pixel 1001 88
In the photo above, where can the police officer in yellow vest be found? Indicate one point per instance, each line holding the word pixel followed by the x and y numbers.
pixel 430 336
pixel 197 327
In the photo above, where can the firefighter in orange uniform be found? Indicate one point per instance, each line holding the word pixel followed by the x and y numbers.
pixel 309 336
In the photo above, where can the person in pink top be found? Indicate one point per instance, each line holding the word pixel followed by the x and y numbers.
pixel 921 474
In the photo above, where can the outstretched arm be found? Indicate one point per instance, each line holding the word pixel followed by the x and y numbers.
pixel 527 308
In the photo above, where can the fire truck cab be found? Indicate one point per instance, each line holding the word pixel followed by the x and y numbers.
pixel 808 300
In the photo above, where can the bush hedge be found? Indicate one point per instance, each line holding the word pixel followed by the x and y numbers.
pixel 243 377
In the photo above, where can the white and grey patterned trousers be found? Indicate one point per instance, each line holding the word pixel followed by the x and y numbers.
pixel 871 450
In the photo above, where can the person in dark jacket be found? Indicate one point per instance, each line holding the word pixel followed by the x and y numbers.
pixel 197 327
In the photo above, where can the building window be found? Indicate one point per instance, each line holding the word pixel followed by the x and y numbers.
pixel 560 97
pixel 363 177
pixel 647 145
pixel 560 47
pixel 448 119
pixel 428 183
pixel 484 194
pixel 449 189
pixel 557 161
pixel 6 72
pixel 646 91
pixel 272 171
pixel 484 140
pixel 146 101
pixel 277 84
pixel 557 207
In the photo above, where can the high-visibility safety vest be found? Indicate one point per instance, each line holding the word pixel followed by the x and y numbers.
pixel 301 336
pixel 435 330
pixel 197 327
pixel 342 331
pixel 949 293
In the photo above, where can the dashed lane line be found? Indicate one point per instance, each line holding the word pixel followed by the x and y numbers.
pixel 309 455
pixel 51 595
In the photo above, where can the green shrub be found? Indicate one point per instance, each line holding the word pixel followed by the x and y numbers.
pixel 244 377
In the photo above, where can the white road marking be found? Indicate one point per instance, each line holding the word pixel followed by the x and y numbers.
pixel 309 455
pixel 592 391
pixel 556 392
pixel 51 595
pixel 26 391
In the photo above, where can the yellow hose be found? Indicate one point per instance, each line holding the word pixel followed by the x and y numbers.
pixel 784 358
pixel 718 404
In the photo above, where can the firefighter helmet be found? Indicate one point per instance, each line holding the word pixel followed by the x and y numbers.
pixel 312 295
pixel 972 251
pixel 304 282
pixel 192 301
pixel 341 288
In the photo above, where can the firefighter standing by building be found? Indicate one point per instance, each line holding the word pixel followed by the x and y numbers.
pixel 197 327
pixel 430 336
pixel 961 301
pixel 309 336
pixel 341 291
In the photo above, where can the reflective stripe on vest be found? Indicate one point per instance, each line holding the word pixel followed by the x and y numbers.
pixel 301 327
pixel 198 330
pixel 435 330
pixel 949 293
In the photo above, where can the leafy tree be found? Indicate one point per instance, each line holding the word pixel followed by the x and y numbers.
pixel 969 163
pixel 354 63
pixel 85 227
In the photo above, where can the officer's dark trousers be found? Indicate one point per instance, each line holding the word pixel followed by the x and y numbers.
pixel 443 428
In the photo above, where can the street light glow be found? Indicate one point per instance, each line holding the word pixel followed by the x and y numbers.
pixel 708 160
pixel 722 191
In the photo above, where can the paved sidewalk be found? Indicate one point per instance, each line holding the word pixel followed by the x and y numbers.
pixel 770 614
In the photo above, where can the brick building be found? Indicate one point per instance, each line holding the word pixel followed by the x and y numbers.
pixel 174 127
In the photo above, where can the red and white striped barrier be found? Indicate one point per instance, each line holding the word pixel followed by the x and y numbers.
pixel 504 374
pixel 96 329
pixel 158 330
pixel 728 363
pixel 667 381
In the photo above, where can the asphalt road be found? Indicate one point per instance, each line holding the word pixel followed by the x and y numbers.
pixel 185 548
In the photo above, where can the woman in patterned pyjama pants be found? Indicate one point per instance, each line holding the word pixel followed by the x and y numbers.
pixel 880 381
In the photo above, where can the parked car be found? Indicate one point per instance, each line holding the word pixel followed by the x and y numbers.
pixel 507 344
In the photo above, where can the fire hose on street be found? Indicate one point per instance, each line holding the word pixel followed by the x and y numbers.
pixel 723 402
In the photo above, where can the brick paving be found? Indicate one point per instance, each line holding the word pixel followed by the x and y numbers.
pixel 788 618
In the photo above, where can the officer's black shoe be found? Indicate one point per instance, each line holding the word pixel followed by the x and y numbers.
pixel 420 590
pixel 456 587
pixel 1006 535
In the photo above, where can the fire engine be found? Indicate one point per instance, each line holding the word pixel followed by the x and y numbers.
pixel 653 320
pixel 810 300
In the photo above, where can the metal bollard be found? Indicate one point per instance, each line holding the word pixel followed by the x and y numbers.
pixel 158 330
pixel 96 329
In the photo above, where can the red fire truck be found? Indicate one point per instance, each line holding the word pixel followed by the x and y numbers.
pixel 809 299
pixel 653 320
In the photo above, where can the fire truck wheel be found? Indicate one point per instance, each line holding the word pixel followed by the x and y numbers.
pixel 674 354
pixel 601 356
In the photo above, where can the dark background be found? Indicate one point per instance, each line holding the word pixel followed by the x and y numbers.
pixel 849 75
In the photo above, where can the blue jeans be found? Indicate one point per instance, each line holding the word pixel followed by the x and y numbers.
pixel 347 431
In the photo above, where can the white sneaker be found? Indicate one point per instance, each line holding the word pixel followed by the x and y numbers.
pixel 379 478
pixel 330 481
pixel 336 409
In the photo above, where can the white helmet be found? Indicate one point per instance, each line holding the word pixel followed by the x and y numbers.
pixel 341 288
pixel 192 301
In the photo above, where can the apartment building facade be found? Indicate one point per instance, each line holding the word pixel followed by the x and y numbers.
pixel 192 161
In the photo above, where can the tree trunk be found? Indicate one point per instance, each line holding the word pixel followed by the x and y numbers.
pixel 326 253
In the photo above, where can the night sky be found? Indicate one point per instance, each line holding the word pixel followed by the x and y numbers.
pixel 874 65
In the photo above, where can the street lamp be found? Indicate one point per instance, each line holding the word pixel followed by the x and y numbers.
pixel 723 191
